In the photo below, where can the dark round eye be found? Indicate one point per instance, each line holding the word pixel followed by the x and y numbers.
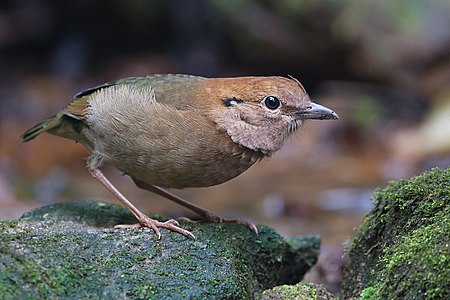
pixel 271 102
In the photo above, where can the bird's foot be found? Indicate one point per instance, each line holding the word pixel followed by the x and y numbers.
pixel 213 218
pixel 209 217
pixel 145 221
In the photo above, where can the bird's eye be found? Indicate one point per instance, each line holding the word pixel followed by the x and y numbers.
pixel 271 102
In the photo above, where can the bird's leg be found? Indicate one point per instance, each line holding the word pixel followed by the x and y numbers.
pixel 144 220
pixel 208 215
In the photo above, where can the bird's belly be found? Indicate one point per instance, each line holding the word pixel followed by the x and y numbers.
pixel 183 171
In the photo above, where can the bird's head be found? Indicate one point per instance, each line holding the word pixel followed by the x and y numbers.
pixel 261 112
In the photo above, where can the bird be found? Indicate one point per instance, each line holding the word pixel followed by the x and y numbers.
pixel 179 131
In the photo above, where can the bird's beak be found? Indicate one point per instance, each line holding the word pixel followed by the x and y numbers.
pixel 316 111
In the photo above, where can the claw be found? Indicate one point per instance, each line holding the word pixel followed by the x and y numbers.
pixel 128 226
pixel 252 227
pixel 153 224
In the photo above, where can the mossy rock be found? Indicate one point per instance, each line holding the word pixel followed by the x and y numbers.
pixel 402 249
pixel 70 250
pixel 300 291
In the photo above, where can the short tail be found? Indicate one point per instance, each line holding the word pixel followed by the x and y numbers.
pixel 39 128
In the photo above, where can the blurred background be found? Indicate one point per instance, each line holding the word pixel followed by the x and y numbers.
pixel 383 66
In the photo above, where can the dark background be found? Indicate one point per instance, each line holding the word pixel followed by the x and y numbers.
pixel 383 66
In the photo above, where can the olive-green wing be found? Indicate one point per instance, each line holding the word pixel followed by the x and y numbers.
pixel 68 122
pixel 168 89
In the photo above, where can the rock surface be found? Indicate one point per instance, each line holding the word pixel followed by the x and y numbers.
pixel 300 291
pixel 70 250
pixel 402 249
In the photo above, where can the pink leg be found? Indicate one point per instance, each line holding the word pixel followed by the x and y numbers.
pixel 144 221
pixel 209 216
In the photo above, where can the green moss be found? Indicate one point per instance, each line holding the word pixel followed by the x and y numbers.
pixel 402 249
pixel 423 258
pixel 368 293
pixel 416 200
pixel 68 251
pixel 302 290
pixel 85 212
pixel 8 224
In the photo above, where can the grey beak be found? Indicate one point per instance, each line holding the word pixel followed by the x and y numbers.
pixel 316 111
